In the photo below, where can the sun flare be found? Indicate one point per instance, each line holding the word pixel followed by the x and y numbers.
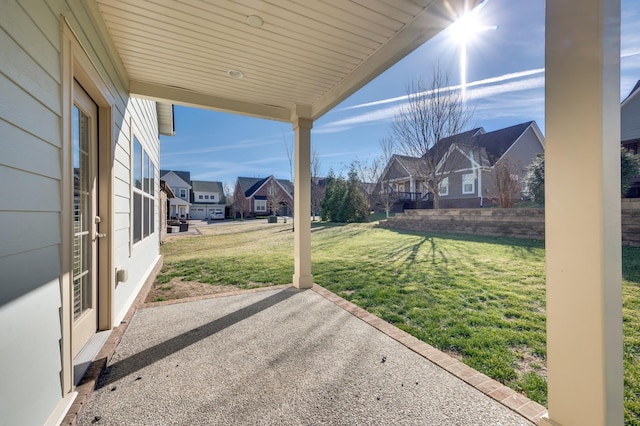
pixel 464 31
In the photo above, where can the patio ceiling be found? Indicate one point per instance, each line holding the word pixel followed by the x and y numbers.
pixel 298 57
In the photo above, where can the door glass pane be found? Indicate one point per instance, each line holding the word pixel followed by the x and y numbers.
pixel 81 214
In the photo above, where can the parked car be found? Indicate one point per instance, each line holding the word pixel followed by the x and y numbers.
pixel 217 214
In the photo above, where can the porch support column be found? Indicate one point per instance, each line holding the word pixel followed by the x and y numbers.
pixel 583 236
pixel 302 277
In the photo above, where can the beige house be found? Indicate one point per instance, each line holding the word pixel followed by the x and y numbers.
pixel 86 87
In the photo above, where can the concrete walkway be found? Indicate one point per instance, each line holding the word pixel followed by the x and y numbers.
pixel 277 357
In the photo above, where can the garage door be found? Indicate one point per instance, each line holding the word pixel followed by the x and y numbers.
pixel 198 213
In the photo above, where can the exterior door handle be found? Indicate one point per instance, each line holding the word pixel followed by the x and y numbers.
pixel 99 235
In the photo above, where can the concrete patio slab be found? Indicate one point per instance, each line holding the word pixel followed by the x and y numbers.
pixel 279 356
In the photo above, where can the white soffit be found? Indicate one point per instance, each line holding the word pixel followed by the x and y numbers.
pixel 264 57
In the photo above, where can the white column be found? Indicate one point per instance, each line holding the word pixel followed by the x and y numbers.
pixel 302 277
pixel 583 242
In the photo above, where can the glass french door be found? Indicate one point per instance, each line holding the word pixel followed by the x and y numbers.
pixel 84 283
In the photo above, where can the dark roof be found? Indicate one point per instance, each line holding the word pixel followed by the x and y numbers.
pixel 185 176
pixel 164 186
pixel 414 165
pixel 635 88
pixel 496 143
pixel 251 185
pixel 460 138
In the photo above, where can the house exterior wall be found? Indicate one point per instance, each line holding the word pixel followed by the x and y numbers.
pixel 629 118
pixel 31 142
pixel 520 156
pixel 263 192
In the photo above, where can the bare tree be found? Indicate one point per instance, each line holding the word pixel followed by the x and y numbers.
pixel 317 184
pixel 227 189
pixel 506 183
pixel 385 195
pixel 432 113
pixel 275 197
pixel 241 204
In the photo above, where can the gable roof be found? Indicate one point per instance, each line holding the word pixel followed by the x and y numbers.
pixel 185 176
pixel 250 186
pixel 460 138
pixel 209 186
pixel 413 165
pixel 632 93
pixel 497 142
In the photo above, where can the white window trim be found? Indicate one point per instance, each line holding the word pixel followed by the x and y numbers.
pixel 444 187
pixel 473 184
pixel 260 203
pixel 185 193
pixel 151 194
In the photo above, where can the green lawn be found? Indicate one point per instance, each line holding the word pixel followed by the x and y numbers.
pixel 479 299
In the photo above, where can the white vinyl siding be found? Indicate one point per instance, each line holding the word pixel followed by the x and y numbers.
pixel 31 146
pixel 468 184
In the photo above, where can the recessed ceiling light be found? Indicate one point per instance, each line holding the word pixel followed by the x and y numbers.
pixel 235 74
pixel 255 21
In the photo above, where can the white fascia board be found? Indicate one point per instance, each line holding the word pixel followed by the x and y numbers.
pixel 176 95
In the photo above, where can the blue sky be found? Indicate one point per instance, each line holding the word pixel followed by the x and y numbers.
pixel 505 86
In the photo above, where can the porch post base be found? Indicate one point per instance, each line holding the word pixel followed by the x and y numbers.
pixel 545 421
pixel 302 281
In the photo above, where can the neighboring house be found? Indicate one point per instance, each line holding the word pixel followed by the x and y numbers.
pixel 166 193
pixel 470 184
pixel 206 199
pixel 180 182
pixel 263 196
pixel 630 130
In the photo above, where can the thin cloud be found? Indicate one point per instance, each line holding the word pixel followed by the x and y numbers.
pixel 243 144
pixel 492 80
pixel 480 89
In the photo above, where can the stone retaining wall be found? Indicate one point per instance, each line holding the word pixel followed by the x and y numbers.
pixel 516 223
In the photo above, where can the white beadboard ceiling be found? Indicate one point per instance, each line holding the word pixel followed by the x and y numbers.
pixel 307 56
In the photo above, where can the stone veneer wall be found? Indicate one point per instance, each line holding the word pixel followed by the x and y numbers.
pixel 516 223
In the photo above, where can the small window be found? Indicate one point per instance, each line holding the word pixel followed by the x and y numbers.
pixel 183 193
pixel 270 190
pixel 468 184
pixel 444 187
pixel 206 197
pixel 200 197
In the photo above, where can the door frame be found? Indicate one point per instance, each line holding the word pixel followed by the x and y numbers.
pixel 77 65
pixel 86 324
